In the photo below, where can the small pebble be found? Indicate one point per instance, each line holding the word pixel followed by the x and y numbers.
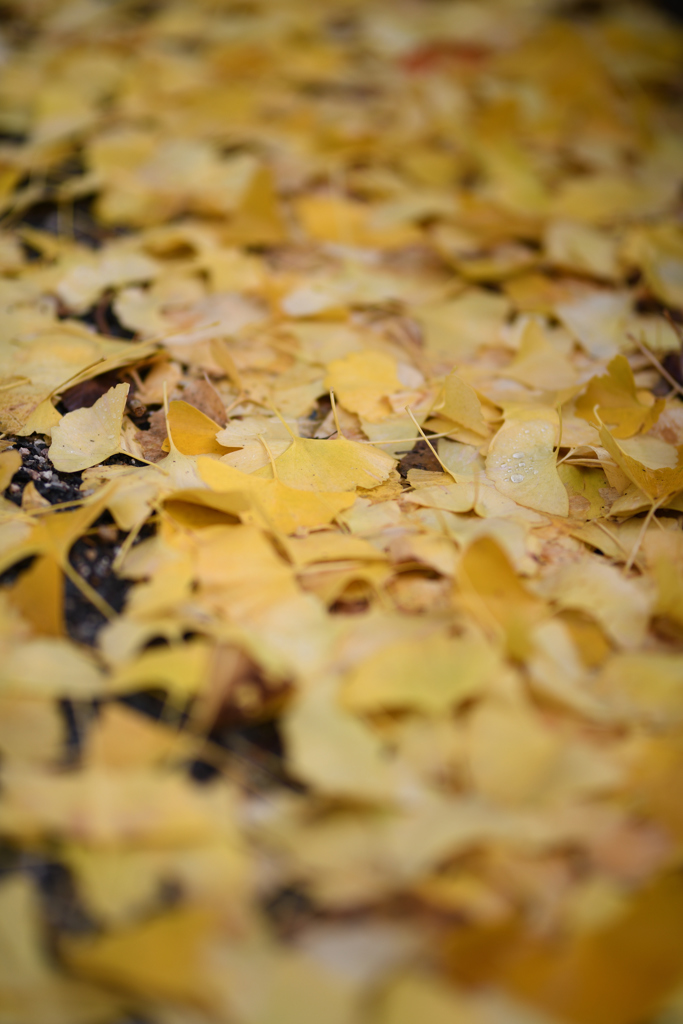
pixel 108 534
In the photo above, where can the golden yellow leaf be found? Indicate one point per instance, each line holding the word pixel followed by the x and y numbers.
pixel 193 432
pixel 421 997
pixel 333 751
pixel 618 402
pixel 618 974
pixel 39 595
pixel 461 404
pixel 362 381
pixel 429 675
pixel 180 670
pixel 165 957
pixel 495 596
pixel 10 462
pixel 338 465
pixel 31 989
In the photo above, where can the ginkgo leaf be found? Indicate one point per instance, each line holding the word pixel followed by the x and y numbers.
pixel 653 466
pixel 414 997
pixel 181 670
pixel 333 751
pixel 362 381
pixel 86 437
pixel 621 606
pixel 647 686
pixel 489 586
pixel 39 596
pixel 581 248
pixel 461 404
pixel 538 364
pixel 51 667
pixel 618 402
pixel 429 675
pixel 337 465
pixel 458 327
pixel 32 988
pixel 193 432
pixel 521 461
pixel 510 753
pixel 10 462
pixel 282 507
pixel 163 957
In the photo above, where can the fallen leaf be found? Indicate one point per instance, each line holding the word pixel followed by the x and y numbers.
pixel 86 437
pixel 521 461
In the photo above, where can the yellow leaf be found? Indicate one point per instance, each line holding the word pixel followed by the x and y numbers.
pixel 193 432
pixel 618 402
pixel 620 605
pixel 31 988
pixel 165 958
pixel 619 974
pixel 282 507
pixel 653 466
pixel 582 249
pixel 10 462
pixel 124 739
pixel 337 465
pixel 461 404
pixel 333 751
pixel 39 596
pixel 180 669
pixel 457 328
pixel 87 437
pixel 511 753
pixel 490 588
pixel 538 364
pixel 51 668
pixel 430 675
pixel 422 998
pixel 644 685
pixel 521 460
pixel 362 381
pixel 31 731
pixel 32 499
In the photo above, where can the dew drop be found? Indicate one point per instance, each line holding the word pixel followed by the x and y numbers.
pixel 518 455
pixel 535 472
pixel 516 478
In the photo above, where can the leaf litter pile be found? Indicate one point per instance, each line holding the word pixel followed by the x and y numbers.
pixel 341 671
